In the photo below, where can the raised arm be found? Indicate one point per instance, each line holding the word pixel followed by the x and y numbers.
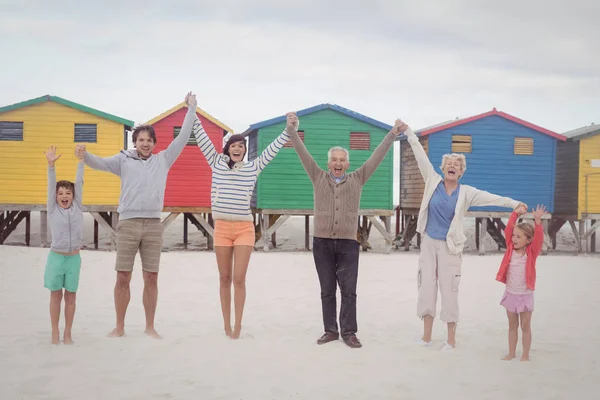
pixel 510 226
pixel 308 162
pixel 370 166
pixel 425 166
pixel 79 183
pixel 204 143
pixel 51 156
pixel 178 144
pixel 538 236
pixel 272 149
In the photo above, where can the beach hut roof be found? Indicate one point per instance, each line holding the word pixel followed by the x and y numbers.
pixel 461 121
pixel 198 110
pixel 319 107
pixel 580 133
pixel 67 103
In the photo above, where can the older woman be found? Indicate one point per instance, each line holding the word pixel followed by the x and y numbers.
pixel 444 205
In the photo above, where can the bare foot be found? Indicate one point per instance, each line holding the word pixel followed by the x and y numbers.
pixel 55 338
pixel 228 331
pixel 524 358
pixel 117 332
pixel 508 357
pixel 152 333
pixel 236 332
pixel 67 339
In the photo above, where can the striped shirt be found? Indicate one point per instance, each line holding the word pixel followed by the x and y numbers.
pixel 231 190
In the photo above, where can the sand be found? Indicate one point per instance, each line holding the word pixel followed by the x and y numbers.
pixel 277 357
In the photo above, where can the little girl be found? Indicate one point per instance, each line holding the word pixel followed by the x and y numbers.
pixel 523 246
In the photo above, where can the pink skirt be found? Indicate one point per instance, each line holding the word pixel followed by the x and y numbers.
pixel 517 303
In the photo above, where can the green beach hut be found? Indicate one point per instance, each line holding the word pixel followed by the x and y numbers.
pixel 283 189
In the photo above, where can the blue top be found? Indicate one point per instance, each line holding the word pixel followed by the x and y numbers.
pixel 441 212
pixel 337 180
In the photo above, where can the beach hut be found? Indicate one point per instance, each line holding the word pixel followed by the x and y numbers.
pixel 505 155
pixel 27 129
pixel 577 193
pixel 189 180
pixel 283 189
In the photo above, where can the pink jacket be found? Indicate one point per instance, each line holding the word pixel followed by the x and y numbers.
pixel 533 251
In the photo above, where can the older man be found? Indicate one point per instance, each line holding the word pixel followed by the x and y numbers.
pixel 335 248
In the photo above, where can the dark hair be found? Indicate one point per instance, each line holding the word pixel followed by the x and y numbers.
pixel 67 185
pixel 234 139
pixel 147 128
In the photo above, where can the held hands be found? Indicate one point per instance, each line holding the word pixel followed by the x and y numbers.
pixel 292 122
pixel 190 99
pixel 399 127
pixel 51 155
pixel 80 151
pixel 521 209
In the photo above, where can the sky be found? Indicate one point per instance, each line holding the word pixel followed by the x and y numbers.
pixel 423 62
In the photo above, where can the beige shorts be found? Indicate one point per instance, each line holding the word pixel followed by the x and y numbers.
pixel 438 266
pixel 139 234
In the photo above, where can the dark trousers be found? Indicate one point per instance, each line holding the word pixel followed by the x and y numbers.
pixel 337 263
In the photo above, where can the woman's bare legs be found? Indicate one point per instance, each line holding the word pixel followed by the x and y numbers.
pixel 224 261
pixel 241 259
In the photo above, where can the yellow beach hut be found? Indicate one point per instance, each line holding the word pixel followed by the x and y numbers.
pixel 27 129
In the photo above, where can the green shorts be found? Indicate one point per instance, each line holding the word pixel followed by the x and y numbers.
pixel 62 272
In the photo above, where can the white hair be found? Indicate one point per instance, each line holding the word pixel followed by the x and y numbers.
pixel 338 148
pixel 455 156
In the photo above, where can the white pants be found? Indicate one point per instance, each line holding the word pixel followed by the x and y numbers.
pixel 437 265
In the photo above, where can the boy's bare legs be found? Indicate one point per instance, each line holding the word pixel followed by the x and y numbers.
pixel 225 264
pixel 69 315
pixel 55 300
pixel 513 334
pixel 122 297
pixel 526 330
pixel 150 299
pixel 240 267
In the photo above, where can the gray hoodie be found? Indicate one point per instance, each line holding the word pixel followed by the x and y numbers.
pixel 66 225
pixel 143 182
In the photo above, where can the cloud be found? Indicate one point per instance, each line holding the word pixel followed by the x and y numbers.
pixel 425 62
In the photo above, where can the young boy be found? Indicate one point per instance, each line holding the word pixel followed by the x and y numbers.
pixel 65 218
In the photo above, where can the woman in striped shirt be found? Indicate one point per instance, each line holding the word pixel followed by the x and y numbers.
pixel 233 182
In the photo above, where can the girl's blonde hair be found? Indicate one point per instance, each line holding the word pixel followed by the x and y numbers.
pixel 527 229
pixel 460 157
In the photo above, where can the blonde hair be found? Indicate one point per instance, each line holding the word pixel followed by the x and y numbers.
pixel 527 229
pixel 460 157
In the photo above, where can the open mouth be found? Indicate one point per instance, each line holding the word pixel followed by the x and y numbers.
pixel 145 149
pixel 451 172
pixel 64 202
pixel 337 170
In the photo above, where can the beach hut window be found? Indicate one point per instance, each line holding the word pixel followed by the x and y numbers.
pixel 360 141
pixel 524 146
pixel 461 144
pixel 11 131
pixel 289 142
pixel 86 133
pixel 191 140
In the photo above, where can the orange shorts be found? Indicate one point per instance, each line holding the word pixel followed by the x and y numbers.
pixel 234 233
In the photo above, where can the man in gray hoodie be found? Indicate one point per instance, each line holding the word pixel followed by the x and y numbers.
pixel 143 182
